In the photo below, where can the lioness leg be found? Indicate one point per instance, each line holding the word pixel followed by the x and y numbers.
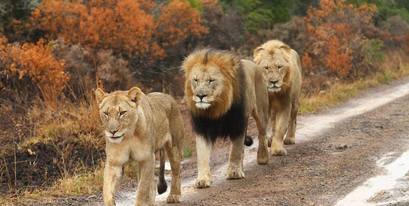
pixel 282 119
pixel 175 157
pixel 290 139
pixel 146 185
pixel 262 153
pixel 235 168
pixel 112 176
pixel 203 150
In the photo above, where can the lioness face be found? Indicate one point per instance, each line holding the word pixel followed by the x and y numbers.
pixel 207 84
pixel 275 70
pixel 118 112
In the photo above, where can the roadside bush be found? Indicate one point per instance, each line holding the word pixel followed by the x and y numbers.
pixel 337 34
pixel 37 62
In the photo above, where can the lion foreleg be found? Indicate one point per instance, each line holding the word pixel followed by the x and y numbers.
pixel 112 176
pixel 203 150
pixel 282 119
pixel 146 185
pixel 235 168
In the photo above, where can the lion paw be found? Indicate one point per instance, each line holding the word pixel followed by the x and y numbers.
pixel 278 150
pixel 235 173
pixel 173 199
pixel 262 156
pixel 289 140
pixel 203 182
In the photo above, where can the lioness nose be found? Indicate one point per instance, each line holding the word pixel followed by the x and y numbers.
pixel 113 131
pixel 273 81
pixel 201 96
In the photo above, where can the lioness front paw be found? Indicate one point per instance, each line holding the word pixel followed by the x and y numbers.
pixel 235 173
pixel 289 140
pixel 173 199
pixel 203 182
pixel 278 150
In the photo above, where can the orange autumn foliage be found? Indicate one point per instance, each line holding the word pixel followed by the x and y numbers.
pixel 336 31
pixel 177 21
pixel 130 27
pixel 36 61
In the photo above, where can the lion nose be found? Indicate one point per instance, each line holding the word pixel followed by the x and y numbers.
pixel 201 96
pixel 113 132
pixel 273 82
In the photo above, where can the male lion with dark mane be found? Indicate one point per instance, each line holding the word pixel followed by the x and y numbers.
pixel 282 72
pixel 136 126
pixel 222 91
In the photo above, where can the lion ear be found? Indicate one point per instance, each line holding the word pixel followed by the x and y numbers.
pixel 285 47
pixel 99 95
pixel 257 50
pixel 135 94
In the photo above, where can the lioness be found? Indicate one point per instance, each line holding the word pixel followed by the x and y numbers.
pixel 222 91
pixel 136 126
pixel 282 72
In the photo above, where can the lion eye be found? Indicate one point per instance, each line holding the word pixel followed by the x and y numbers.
pixel 279 66
pixel 122 113
pixel 266 67
pixel 210 81
pixel 195 80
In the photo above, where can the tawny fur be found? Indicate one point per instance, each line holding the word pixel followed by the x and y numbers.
pixel 145 124
pixel 284 103
pixel 236 80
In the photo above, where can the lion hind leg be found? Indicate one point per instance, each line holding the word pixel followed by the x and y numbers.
pixel 262 152
pixel 290 139
pixel 175 159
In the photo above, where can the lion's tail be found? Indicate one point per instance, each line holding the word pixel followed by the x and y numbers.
pixel 248 141
pixel 162 186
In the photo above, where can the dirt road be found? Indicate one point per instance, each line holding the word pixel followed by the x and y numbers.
pixel 327 168
pixel 321 171
pixel 356 154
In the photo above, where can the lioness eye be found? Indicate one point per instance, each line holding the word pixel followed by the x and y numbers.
pixel 210 80
pixel 266 67
pixel 279 66
pixel 122 113
pixel 195 80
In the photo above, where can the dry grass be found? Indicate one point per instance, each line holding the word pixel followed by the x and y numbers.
pixel 341 92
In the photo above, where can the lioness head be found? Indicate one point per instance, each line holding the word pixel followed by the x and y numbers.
pixel 119 112
pixel 273 57
pixel 210 81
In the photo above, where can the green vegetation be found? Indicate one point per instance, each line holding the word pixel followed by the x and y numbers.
pixel 388 8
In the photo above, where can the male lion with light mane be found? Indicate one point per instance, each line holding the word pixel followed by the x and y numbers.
pixel 222 91
pixel 136 126
pixel 282 72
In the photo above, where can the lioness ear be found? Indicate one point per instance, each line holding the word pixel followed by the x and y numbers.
pixel 99 95
pixel 135 94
